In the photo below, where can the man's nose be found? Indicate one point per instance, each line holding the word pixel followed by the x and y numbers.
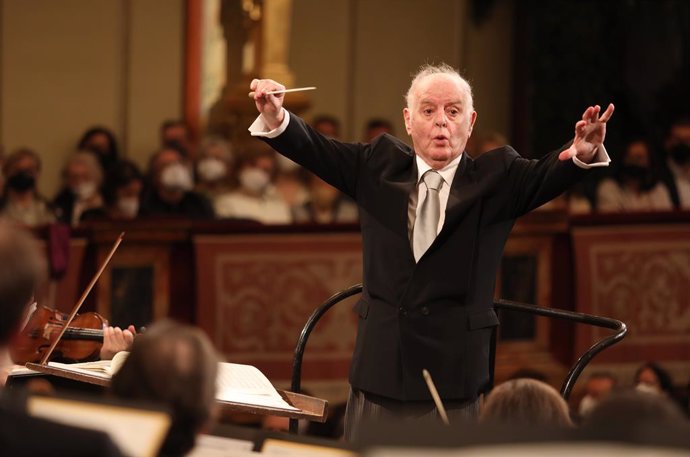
pixel 441 120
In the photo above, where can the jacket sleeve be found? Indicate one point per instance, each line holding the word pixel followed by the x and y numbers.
pixel 335 162
pixel 534 182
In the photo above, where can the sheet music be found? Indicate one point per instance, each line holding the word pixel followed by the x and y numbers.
pixel 248 385
pixel 99 369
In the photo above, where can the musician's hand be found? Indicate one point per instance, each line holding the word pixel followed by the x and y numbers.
pixel 115 340
pixel 269 105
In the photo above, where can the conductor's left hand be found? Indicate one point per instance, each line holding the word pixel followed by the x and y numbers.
pixel 589 134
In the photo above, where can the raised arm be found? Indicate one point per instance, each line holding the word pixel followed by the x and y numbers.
pixel 335 162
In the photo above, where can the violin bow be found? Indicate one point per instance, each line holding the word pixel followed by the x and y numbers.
pixel 75 310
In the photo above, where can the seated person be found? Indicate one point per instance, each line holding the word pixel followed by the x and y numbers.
pixel 175 366
pixel 101 141
pixel 598 387
pixel 122 193
pixel 255 197
pixel 169 190
pixel 82 178
pixel 213 168
pixel 22 268
pixel 636 186
pixel 525 402
pixel 22 202
pixel 376 127
pixel 326 205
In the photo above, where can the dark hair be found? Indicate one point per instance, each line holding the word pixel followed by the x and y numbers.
pixel 123 173
pixel 631 407
pixel 113 154
pixel 379 123
pixel 174 365
pixel 17 155
pixel 326 119
pixel 22 268
pixel 665 380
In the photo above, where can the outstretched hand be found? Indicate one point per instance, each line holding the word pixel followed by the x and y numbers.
pixel 589 134
pixel 269 105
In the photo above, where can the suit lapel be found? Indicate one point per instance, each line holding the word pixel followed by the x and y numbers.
pixel 461 197
pixel 394 204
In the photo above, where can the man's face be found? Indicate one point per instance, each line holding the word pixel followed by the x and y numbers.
pixel 679 134
pixel 176 134
pixel 439 119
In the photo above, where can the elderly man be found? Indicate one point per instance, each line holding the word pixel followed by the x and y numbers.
pixel 434 224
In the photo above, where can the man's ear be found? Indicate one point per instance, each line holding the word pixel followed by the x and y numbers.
pixel 408 124
pixel 473 119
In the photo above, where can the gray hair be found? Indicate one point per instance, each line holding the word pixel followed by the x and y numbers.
pixel 443 69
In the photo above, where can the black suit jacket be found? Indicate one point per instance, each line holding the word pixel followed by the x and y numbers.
pixel 438 313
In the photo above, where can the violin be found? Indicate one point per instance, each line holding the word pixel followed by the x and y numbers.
pixel 81 341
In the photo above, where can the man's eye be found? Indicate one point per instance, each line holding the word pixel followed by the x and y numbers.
pixel 453 112
pixel 428 111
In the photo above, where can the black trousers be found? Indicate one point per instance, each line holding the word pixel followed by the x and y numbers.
pixel 367 408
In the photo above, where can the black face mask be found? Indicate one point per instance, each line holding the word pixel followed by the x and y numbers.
pixel 22 181
pixel 680 153
pixel 642 175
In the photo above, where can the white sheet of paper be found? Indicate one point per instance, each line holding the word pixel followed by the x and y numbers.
pixel 247 384
pixel 136 432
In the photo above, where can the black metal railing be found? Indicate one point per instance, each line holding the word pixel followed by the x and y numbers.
pixel 570 380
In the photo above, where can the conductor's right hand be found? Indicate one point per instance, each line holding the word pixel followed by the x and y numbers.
pixel 269 105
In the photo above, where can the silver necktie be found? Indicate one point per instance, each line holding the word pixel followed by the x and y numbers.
pixel 426 225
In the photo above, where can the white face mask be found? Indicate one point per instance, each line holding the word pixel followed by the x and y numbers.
pixel 85 190
pixel 254 180
pixel 128 206
pixel 648 388
pixel 587 404
pixel 211 169
pixel 177 177
pixel 285 164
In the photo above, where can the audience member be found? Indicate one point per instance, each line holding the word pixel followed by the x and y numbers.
pixel 651 378
pixel 82 178
pixel 101 141
pixel 256 197
pixel 636 186
pixel 483 142
pixel 22 269
pixel 175 132
pixel 376 127
pixel 326 205
pixel 598 386
pixel 173 365
pixel 327 125
pixel 631 407
pixel 122 191
pixel 676 172
pixel 170 188
pixel 525 402
pixel 213 168
pixel 22 203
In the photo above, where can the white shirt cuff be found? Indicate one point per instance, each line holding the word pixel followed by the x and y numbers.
pixel 601 159
pixel 259 127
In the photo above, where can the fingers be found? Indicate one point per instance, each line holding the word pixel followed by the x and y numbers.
pixel 259 87
pixel 607 114
pixel 132 330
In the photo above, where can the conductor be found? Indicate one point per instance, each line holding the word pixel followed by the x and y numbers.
pixel 434 223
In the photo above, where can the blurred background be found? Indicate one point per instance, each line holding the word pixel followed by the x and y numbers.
pixel 133 114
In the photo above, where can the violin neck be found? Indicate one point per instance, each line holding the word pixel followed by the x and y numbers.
pixel 75 333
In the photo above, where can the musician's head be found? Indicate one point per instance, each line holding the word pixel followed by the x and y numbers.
pixel 174 365
pixel 526 402
pixel 22 268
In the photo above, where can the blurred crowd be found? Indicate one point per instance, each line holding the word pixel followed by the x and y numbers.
pixel 183 179
pixel 644 175
pixel 210 179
